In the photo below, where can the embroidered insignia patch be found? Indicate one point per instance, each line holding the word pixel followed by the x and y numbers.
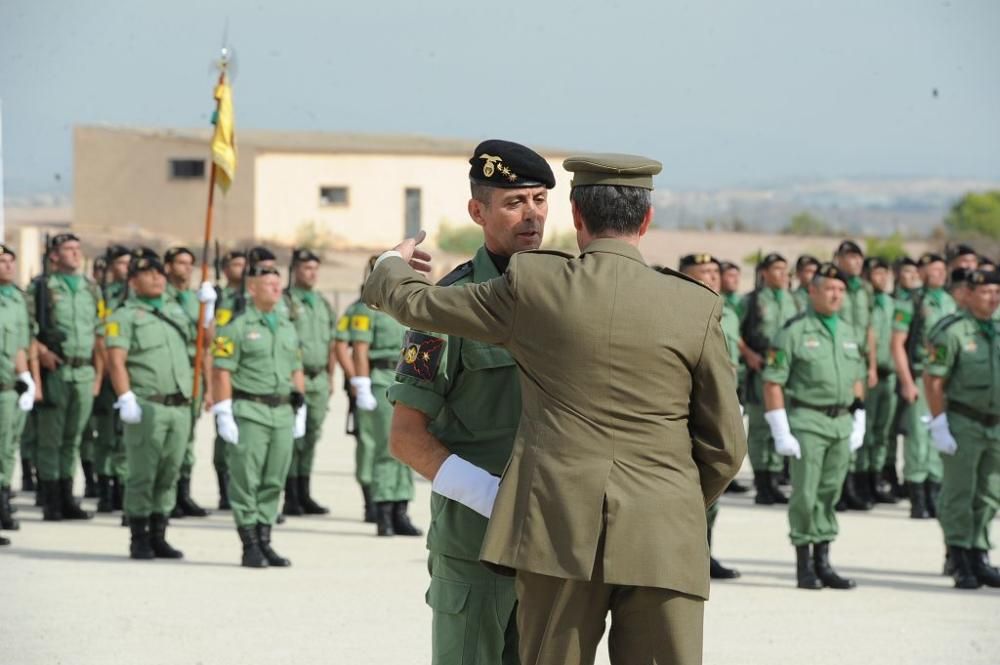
pixel 222 347
pixel 361 322
pixel 775 357
pixel 421 356
pixel 223 316
pixel 343 323
pixel 102 310
pixel 811 344
pixel 253 335
pixel 111 329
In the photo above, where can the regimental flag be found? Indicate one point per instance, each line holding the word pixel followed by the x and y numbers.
pixel 224 139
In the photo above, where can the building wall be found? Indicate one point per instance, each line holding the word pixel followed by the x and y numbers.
pixel 286 194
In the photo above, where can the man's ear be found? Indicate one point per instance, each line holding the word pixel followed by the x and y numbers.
pixel 647 219
pixel 577 217
pixel 476 211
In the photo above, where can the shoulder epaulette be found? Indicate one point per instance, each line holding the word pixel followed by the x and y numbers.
pixel 797 317
pixel 458 273
pixel 553 252
pixel 674 273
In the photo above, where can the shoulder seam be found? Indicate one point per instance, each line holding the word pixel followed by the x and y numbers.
pixel 674 273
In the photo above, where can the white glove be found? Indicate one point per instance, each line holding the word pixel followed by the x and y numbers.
pixel 363 396
pixel 26 400
pixel 208 296
pixel 468 484
pixel 225 424
pixel 941 435
pixel 299 428
pixel 128 408
pixel 784 442
pixel 858 431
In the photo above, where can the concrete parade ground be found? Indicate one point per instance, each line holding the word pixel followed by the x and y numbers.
pixel 70 595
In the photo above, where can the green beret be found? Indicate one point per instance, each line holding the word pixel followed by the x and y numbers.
pixel 612 169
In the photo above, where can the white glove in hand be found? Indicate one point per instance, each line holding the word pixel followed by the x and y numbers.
pixel 225 424
pixel 207 295
pixel 941 435
pixel 784 442
pixel 858 431
pixel 128 408
pixel 299 428
pixel 363 396
pixel 468 484
pixel 26 400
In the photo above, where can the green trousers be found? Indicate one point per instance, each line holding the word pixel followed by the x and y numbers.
pixel 110 458
pixel 60 424
pixel 304 450
pixel 155 448
pixel 12 420
pixel 258 467
pixel 391 479
pixel 880 408
pixel 711 514
pixel 220 455
pixel 921 460
pixel 29 436
pixel 817 479
pixel 88 438
pixel 187 464
pixel 970 485
pixel 474 620
pixel 760 445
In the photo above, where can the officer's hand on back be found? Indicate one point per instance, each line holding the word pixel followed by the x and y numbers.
pixel 784 442
pixel 128 408
pixel 941 435
pixel 364 399
pixel 225 422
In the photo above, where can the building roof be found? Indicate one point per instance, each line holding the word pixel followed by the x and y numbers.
pixel 266 140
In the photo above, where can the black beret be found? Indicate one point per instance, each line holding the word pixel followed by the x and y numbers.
pixel 929 258
pixel 986 261
pixel 303 254
pixel 144 258
pixel 259 271
pixel 697 260
pixel 260 253
pixel 5 250
pixel 905 261
pixel 100 263
pixel 233 254
pixel 979 277
pixel 115 252
pixel 806 260
pixel 60 238
pixel 770 259
pixel 830 271
pixel 873 262
pixel 959 275
pixel 728 265
pixel 174 252
pixel 960 249
pixel 509 165
pixel 848 247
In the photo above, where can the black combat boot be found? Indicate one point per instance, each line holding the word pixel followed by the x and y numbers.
pixel 383 518
pixel 984 571
pixel 223 490
pixel 70 508
pixel 734 487
pixel 401 524
pixel 273 558
pixel 158 538
pixel 39 493
pixel 51 500
pixel 309 505
pixel 27 475
pixel 785 475
pixel 105 495
pixel 140 547
pixel 932 489
pixel 850 496
pixel 779 496
pixel 716 570
pixel 880 489
pixel 369 515
pixel 948 569
pixel 89 480
pixel 964 574
pixel 252 556
pixel 184 501
pixel 892 476
pixel 117 493
pixel 762 483
pixel 918 501
pixel 292 506
pixel 805 571
pixel 827 575
pixel 7 522
pixel 4 541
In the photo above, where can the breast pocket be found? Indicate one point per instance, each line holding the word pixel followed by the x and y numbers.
pixel 149 336
pixel 490 398
pixel 974 363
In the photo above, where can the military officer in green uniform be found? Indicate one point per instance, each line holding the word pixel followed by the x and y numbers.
pixel 813 390
pixel 71 371
pixel 147 340
pixel 964 256
pixel 912 322
pixel 376 343
pixel 314 321
pixel 730 274
pixel 805 267
pixel 963 394
pixel 765 311
pixel 17 385
pixel 461 406
pixel 260 410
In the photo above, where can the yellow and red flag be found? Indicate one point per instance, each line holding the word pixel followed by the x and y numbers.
pixel 224 139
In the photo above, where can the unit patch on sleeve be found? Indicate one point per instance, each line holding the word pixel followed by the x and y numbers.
pixel 421 356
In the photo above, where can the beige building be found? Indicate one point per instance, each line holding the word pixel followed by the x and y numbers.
pixel 350 190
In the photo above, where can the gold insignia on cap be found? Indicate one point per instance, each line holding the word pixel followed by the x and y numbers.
pixel 490 166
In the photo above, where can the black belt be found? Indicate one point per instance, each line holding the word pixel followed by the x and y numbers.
pixel 984 419
pixel 177 399
pixel 78 362
pixel 266 400
pixel 313 372
pixel 884 372
pixel 828 411
pixel 384 363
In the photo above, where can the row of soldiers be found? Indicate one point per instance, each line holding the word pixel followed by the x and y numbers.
pixel 102 375
pixel 921 361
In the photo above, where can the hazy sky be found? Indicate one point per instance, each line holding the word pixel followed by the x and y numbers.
pixel 723 93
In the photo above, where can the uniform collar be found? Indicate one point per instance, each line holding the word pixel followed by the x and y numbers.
pixel 483 268
pixel 614 246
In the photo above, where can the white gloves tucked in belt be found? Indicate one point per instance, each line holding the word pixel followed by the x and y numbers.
pixel 468 484
pixel 26 400
pixel 128 408
pixel 784 442
pixel 363 396
pixel 941 435
pixel 858 429
pixel 225 423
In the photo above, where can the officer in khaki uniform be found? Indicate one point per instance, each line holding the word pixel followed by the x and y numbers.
pixel 17 385
pixel 259 385
pixel 465 400
pixel 813 393
pixel 147 340
pixel 628 405
pixel 71 372
pixel 963 394
pixel 314 321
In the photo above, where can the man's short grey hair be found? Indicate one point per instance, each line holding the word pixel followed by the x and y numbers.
pixel 482 193
pixel 611 209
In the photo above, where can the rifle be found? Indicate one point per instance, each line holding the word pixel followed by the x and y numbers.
pixel 216 263
pixel 48 334
pixel 752 336
pixel 240 303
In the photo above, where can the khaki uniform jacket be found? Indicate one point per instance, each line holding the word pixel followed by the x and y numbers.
pixel 630 424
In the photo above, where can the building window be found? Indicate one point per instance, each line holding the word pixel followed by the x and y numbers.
pixel 187 169
pixel 333 196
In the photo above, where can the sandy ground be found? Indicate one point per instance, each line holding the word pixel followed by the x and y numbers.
pixel 69 594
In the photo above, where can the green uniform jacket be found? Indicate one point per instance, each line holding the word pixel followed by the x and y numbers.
pixel 473 402
pixel 774 308
pixel 882 317
pixel 731 329
pixel 630 425
pixel 188 301
pixel 734 301
pixel 936 305
pixel 75 316
pixel 15 331
pixel 801 298
pixel 967 353
pixel 314 322
pixel 857 308
pixel 157 363
pixel 817 368
pixel 342 332
pixel 384 337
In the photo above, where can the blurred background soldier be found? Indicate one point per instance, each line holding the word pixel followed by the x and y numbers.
pixel 805 268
